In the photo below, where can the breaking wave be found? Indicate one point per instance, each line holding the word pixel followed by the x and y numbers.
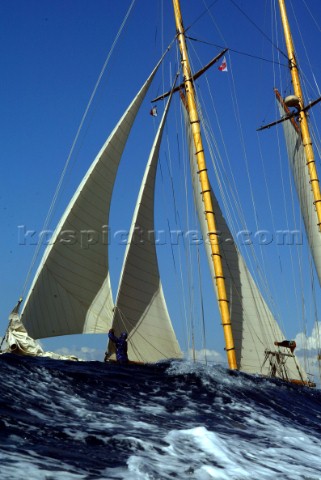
pixel 90 420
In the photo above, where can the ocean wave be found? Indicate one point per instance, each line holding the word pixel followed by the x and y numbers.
pixel 90 420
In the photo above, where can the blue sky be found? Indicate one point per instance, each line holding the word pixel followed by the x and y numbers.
pixel 52 54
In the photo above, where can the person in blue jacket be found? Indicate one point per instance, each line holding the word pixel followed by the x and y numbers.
pixel 121 346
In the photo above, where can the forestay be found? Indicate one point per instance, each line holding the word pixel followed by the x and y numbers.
pixel 71 292
pixel 141 309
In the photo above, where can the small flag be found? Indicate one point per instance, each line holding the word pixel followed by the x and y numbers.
pixel 223 66
pixel 153 112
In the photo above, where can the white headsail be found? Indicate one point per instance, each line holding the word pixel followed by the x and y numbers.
pixel 254 328
pixel 71 292
pixel 301 177
pixel 141 309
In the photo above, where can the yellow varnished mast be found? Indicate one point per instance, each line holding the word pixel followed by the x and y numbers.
pixel 306 138
pixel 206 189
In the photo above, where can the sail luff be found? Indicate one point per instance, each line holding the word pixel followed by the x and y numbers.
pixel 71 291
pixel 212 231
pixel 140 307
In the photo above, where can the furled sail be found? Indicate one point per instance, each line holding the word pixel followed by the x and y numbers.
pixel 301 177
pixel 71 292
pixel 140 306
pixel 17 338
pixel 254 328
pixel 20 343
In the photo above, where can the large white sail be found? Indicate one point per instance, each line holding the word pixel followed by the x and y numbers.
pixel 71 292
pixel 141 309
pixel 301 177
pixel 254 328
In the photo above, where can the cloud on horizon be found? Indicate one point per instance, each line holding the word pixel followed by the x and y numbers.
pixel 312 342
pixel 83 353
pixel 206 355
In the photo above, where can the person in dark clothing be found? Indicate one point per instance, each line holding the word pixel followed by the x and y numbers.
pixel 121 346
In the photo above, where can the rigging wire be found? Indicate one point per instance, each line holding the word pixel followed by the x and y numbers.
pixel 259 29
pixel 177 265
pixel 256 269
pixel 188 259
pixel 313 18
pixel 207 10
pixel 189 297
pixel 188 250
pixel 202 304
pixel 236 108
pixel 56 194
pixel 239 52
pixel 200 315
pixel 219 177
pixel 240 129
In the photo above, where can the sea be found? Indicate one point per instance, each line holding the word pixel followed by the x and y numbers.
pixel 173 420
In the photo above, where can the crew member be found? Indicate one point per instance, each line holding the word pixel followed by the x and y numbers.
pixel 121 346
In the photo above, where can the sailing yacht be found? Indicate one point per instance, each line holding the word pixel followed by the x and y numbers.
pixel 71 291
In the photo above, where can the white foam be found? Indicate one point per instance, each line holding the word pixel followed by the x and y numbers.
pixel 17 466
pixel 201 454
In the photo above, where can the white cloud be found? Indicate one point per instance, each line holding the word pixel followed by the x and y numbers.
pixel 312 342
pixel 205 354
pixel 83 353
pixel 307 351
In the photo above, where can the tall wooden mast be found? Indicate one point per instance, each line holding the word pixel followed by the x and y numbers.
pixel 206 189
pixel 305 132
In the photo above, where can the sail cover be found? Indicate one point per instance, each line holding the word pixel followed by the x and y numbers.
pixel 301 177
pixel 71 292
pixel 254 328
pixel 140 308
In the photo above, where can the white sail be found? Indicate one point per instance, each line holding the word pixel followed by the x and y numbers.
pixel 140 306
pixel 71 292
pixel 254 328
pixel 301 177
